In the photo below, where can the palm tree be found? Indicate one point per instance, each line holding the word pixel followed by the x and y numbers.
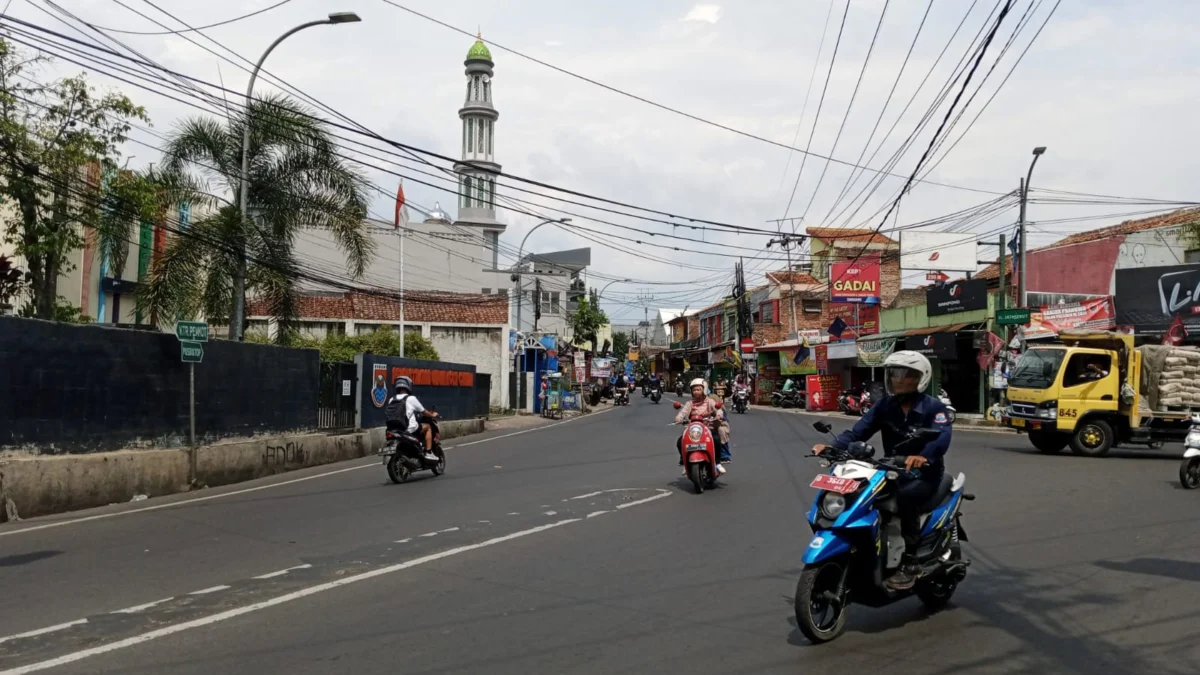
pixel 297 181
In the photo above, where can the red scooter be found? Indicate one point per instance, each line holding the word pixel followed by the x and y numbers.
pixel 699 447
pixel 856 401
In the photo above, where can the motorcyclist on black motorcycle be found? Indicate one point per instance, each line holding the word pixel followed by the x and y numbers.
pixel 906 375
pixel 404 412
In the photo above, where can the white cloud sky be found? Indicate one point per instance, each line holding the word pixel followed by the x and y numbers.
pixel 1109 87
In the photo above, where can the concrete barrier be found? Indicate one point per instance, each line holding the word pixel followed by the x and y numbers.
pixel 40 485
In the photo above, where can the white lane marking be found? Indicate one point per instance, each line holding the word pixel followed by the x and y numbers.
pixel 660 495
pixel 43 631
pixel 449 529
pixel 428 534
pixel 272 575
pixel 593 514
pixel 295 595
pixel 232 493
pixel 485 521
pixel 403 541
pixel 601 492
pixel 137 608
pixel 515 513
pixel 552 513
pixel 206 591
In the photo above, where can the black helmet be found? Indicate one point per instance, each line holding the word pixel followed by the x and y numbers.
pixel 403 382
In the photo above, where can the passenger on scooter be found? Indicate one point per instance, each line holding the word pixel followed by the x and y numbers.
pixel 702 406
pixel 406 410
pixel 906 375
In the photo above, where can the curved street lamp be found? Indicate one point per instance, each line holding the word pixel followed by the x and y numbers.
pixel 237 316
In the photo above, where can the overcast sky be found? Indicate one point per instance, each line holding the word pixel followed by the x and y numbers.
pixel 1108 86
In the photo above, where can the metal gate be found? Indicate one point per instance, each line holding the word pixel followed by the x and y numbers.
pixel 483 394
pixel 335 406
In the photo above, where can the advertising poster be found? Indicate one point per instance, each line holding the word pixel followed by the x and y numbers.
pixel 788 366
pixel 933 345
pixel 550 343
pixel 860 319
pixel 823 391
pixel 1051 320
pixel 855 281
pixel 960 296
pixel 822 356
pixel 602 367
pixel 1149 298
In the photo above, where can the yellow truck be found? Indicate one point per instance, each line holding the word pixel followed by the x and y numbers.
pixel 1090 393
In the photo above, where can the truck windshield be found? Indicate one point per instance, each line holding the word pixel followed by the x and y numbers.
pixel 1037 368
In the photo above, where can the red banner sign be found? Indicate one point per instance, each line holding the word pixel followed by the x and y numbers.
pixel 1097 314
pixel 823 391
pixel 862 319
pixel 855 281
pixel 822 357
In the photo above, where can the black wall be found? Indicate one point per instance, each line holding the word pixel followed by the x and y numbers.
pixel 453 402
pixel 90 388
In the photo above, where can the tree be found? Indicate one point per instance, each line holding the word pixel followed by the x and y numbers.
pixel 587 320
pixel 49 134
pixel 12 282
pixel 620 345
pixel 335 347
pixel 297 181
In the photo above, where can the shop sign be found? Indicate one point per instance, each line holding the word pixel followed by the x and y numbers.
pixel 933 345
pixel 872 353
pixel 860 319
pixel 1048 321
pixel 822 356
pixel 855 281
pixel 788 365
pixel 960 296
pixel 822 391
pixel 1149 298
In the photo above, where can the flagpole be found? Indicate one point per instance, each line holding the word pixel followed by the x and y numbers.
pixel 400 232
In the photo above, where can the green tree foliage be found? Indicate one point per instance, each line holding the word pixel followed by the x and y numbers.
pixel 297 181
pixel 587 320
pixel 335 347
pixel 620 346
pixel 50 133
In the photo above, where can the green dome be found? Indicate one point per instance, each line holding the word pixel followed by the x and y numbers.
pixel 479 51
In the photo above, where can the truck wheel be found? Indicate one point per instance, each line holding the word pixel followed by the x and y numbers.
pixel 1093 438
pixel 1049 442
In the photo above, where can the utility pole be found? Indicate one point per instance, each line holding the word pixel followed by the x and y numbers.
pixel 1022 289
pixel 644 299
pixel 787 242
pixel 537 303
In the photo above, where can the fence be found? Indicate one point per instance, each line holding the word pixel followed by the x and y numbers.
pixel 69 388
pixel 336 405
pixel 448 387
pixel 483 395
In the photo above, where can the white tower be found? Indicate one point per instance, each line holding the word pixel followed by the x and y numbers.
pixel 478 169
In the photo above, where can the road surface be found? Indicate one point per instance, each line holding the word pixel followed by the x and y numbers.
pixel 577 548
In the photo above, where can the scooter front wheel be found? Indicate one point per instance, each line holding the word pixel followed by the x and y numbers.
pixel 820 614
pixel 697 472
pixel 1189 473
pixel 439 468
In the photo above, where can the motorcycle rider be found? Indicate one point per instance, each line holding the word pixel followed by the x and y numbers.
pixel 622 384
pixel 405 410
pixel 703 406
pixel 906 375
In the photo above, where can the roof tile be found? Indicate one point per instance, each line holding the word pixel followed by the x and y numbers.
pixel 419 307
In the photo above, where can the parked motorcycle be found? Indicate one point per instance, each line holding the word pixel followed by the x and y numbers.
pixel 788 399
pixel 699 446
pixel 857 543
pixel 1189 469
pixel 951 413
pixel 404 453
pixel 741 400
pixel 850 401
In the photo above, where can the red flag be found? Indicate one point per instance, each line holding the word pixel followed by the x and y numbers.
pixel 399 202
pixel 989 351
pixel 1175 332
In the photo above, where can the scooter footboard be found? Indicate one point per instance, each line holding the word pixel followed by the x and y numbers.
pixel 825 544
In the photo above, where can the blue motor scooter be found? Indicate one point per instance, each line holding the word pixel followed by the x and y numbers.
pixel 857 544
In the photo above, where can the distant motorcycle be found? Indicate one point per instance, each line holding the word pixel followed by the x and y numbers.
pixel 404 453
pixel 679 387
pixel 1189 469
pixel 656 393
pixel 951 413
pixel 741 400
pixel 621 397
pixel 645 390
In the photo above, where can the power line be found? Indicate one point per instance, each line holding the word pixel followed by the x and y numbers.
pixel 198 28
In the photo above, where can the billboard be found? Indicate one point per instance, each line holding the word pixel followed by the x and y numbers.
pixel 860 319
pixel 602 367
pixel 823 391
pixel 1050 320
pixel 937 251
pixel 855 281
pixel 960 296
pixel 1149 298
pixel 788 365
pixel 933 345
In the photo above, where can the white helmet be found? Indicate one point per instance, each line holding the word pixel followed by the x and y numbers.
pixel 698 382
pixel 911 360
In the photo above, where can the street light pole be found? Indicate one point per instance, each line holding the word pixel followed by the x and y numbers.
pixel 1022 290
pixel 237 316
pixel 517 278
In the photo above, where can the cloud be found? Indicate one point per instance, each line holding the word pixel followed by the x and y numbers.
pixel 553 43
pixel 705 13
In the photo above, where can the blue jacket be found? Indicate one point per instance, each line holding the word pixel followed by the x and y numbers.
pixel 887 417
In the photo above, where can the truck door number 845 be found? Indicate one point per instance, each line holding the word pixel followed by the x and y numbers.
pixel 1068 412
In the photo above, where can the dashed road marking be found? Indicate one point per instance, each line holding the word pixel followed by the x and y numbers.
pixel 206 591
pixel 593 514
pixel 43 631
pixel 272 575
pixel 137 608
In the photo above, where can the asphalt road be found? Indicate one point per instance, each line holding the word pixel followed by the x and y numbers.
pixel 577 548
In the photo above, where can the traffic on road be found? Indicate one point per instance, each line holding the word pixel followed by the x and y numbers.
pixel 580 546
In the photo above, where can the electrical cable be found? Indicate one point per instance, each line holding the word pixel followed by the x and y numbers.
pixel 198 28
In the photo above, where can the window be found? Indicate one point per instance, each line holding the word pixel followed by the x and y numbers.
pixel 1192 256
pixel 492 240
pixel 487 291
pixel 550 302
pixel 470 135
pixel 475 83
pixel 812 306
pixel 468 183
pixel 468 90
pixel 480 192
pixel 1085 368
pixel 491 134
pixel 491 193
pixel 502 292
pixel 487 90
pixel 766 312
pixel 479 141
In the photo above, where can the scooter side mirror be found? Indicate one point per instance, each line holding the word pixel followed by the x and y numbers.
pixel 678 405
pixel 822 427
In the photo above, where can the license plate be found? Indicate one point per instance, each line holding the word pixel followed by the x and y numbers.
pixel 834 483
pixel 696 446
pixel 1017 422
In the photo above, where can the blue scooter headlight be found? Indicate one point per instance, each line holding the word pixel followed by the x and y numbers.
pixel 832 505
